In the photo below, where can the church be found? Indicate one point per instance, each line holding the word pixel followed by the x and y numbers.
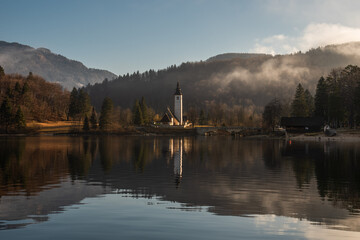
pixel 175 118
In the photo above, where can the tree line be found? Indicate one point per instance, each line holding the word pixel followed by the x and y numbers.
pixel 336 101
pixel 30 98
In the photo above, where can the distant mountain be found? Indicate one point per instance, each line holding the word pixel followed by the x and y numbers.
pixel 230 56
pixel 22 59
pixel 234 80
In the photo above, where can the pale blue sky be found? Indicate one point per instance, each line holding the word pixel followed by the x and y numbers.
pixel 126 36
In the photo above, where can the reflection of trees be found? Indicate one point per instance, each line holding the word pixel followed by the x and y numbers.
pixel 301 156
pixel 272 154
pixel 28 165
pixel 338 175
pixel 81 157
pixel 336 167
pixel 12 170
pixel 106 153
pixel 303 169
pixel 141 154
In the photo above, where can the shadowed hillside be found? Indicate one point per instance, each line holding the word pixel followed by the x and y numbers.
pixel 22 59
pixel 246 80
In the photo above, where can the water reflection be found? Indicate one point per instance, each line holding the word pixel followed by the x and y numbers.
pixel 176 152
pixel 318 181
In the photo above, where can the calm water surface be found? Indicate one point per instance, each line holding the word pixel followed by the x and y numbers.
pixel 176 188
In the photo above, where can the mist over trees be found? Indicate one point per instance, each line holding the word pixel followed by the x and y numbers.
pixel 336 101
pixel 228 83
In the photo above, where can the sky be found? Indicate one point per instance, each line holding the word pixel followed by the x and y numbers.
pixel 138 35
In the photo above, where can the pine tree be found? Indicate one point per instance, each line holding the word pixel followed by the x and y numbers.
pixel 106 114
pixel 86 126
pixel 74 103
pixel 309 102
pixel 2 72
pixel 299 107
pixel 84 103
pixel 137 114
pixel 144 111
pixel 19 119
pixel 6 116
pixel 25 88
pixel 321 99
pixel 17 88
pixel 202 120
pixel 9 93
pixel 30 76
pixel 357 103
pixel 93 119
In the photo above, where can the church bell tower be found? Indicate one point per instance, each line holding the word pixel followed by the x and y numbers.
pixel 178 104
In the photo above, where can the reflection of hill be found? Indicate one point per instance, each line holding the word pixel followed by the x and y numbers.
pixel 233 177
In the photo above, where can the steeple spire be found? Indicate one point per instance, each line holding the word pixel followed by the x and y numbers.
pixel 178 89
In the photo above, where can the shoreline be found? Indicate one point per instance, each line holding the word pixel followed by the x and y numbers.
pixel 71 129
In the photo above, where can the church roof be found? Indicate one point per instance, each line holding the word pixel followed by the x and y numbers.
pixel 168 115
pixel 178 89
pixel 165 118
pixel 169 112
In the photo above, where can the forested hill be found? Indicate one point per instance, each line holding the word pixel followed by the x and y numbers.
pixel 250 81
pixel 229 56
pixel 22 59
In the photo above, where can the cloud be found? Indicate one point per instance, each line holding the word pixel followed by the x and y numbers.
pixel 314 35
pixel 345 12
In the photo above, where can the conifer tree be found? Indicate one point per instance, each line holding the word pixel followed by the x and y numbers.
pixel 17 88
pixel 74 103
pixel 93 119
pixel 30 76
pixel 25 88
pixel 2 72
pixel 137 114
pixel 19 119
pixel 357 103
pixel 202 120
pixel 84 103
pixel 309 102
pixel 144 111
pixel 86 126
pixel 299 107
pixel 9 93
pixel 106 114
pixel 321 99
pixel 6 116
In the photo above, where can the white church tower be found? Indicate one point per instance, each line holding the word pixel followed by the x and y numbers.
pixel 178 104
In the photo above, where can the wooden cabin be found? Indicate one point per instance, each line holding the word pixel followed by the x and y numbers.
pixel 302 124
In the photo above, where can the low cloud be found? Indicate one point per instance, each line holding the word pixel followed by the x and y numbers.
pixel 314 35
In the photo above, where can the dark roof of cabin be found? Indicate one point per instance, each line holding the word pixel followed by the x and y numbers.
pixel 301 121
pixel 178 89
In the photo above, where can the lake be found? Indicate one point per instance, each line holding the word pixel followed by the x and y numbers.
pixel 178 188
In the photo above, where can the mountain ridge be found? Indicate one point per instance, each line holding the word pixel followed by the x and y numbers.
pixel 230 56
pixel 22 59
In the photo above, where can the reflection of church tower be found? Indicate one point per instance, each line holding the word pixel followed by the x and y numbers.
pixel 178 155
pixel 178 104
